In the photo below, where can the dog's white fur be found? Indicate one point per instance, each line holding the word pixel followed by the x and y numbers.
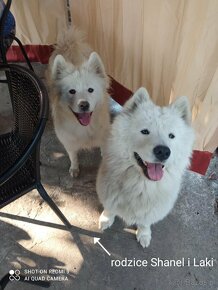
pixel 122 187
pixel 73 65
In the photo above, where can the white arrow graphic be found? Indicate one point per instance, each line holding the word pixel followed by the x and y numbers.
pixel 96 241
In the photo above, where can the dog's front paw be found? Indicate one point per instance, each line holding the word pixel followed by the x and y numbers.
pixel 105 221
pixel 74 172
pixel 144 237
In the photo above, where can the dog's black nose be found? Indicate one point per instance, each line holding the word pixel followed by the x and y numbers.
pixel 161 152
pixel 84 106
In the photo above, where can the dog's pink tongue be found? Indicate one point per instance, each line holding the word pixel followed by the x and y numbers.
pixel 155 171
pixel 84 118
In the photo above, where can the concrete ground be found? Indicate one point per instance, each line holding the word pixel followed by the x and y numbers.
pixel 34 240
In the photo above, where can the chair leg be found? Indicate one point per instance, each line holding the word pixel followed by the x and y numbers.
pixel 23 52
pixel 53 206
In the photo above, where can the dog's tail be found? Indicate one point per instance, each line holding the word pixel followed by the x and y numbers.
pixel 73 46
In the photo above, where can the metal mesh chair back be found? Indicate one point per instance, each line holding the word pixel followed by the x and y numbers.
pixel 30 106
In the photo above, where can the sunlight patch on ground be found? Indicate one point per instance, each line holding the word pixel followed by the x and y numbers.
pixel 58 155
pixel 131 231
pixel 27 261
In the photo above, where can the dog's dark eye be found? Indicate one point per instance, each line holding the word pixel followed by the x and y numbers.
pixel 145 132
pixel 171 136
pixel 72 91
pixel 90 90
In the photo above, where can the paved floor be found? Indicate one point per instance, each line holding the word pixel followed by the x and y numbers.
pixel 34 240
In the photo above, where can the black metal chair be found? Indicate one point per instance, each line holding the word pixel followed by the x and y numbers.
pixel 7 38
pixel 20 148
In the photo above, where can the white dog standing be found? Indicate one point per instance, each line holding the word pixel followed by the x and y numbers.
pixel 79 99
pixel 145 157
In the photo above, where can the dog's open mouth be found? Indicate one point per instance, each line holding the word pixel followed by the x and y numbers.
pixel 153 171
pixel 84 118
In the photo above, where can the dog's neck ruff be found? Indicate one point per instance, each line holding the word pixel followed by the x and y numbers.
pixel 153 171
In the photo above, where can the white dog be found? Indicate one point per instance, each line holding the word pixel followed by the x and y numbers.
pixel 79 99
pixel 145 156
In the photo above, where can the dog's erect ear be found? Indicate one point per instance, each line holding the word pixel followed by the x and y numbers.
pixel 140 96
pixel 58 68
pixel 182 106
pixel 95 64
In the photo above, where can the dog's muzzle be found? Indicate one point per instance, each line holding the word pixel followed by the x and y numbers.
pixel 153 171
pixel 84 118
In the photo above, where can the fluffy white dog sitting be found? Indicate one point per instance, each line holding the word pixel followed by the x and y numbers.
pixel 78 97
pixel 145 157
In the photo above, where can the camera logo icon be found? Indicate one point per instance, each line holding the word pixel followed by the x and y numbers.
pixel 14 275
